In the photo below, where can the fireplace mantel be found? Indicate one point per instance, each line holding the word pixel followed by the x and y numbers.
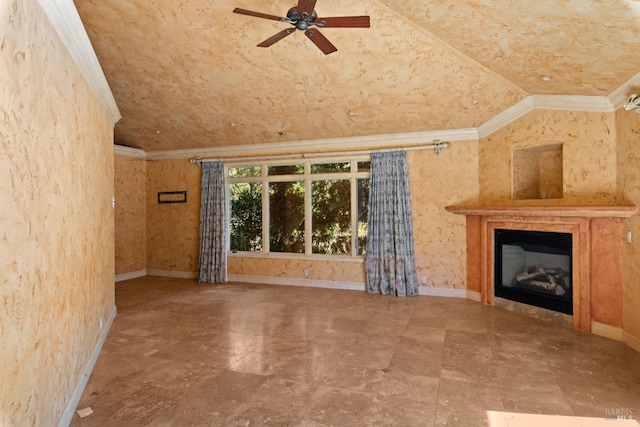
pixel 597 247
pixel 616 211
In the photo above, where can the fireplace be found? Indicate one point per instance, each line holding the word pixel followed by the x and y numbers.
pixel 596 253
pixel 535 268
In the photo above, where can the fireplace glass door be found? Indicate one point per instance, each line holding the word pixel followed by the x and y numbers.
pixel 534 267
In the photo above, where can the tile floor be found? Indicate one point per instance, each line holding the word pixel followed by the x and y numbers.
pixel 181 353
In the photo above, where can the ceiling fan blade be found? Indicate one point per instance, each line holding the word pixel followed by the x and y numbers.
pixel 306 6
pixel 321 41
pixel 276 37
pixel 256 14
pixel 344 21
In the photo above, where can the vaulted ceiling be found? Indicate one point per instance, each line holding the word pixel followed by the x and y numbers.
pixel 188 74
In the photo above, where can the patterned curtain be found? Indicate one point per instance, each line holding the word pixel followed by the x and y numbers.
pixel 212 261
pixel 390 260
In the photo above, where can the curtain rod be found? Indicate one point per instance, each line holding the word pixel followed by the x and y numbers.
pixel 437 146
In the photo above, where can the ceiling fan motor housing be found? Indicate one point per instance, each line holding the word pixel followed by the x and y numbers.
pixel 302 23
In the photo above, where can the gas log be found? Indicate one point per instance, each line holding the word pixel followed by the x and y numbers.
pixel 551 280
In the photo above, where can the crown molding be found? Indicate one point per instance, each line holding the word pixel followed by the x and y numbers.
pixel 509 115
pixel 600 104
pixel 121 150
pixel 66 21
pixel 621 95
pixel 373 142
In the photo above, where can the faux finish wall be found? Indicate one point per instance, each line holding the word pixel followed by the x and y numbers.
pixel 588 148
pixel 440 237
pixel 56 219
pixel 172 228
pixel 436 182
pixel 279 268
pixel 628 130
pixel 130 214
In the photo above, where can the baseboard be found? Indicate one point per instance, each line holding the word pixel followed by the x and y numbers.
pixel 607 331
pixel 474 296
pixel 70 409
pixel 442 292
pixel 632 341
pixel 131 275
pixel 174 274
pixel 328 284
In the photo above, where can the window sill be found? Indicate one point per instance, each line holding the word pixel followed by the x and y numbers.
pixel 303 257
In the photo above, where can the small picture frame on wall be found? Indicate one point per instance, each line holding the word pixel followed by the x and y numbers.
pixel 172 197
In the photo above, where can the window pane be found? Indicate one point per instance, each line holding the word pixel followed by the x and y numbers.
pixel 286 217
pixel 245 171
pixel 286 170
pixel 363 211
pixel 331 167
pixel 246 216
pixel 331 217
pixel 364 166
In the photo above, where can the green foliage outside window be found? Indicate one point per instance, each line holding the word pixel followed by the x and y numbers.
pixel 286 217
pixel 331 217
pixel 331 201
pixel 363 212
pixel 246 216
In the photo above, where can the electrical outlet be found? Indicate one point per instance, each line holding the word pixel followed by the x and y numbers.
pixel 306 272
pixel 629 237
pixel 423 280
pixel 101 322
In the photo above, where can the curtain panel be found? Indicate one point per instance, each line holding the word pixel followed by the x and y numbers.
pixel 390 259
pixel 212 259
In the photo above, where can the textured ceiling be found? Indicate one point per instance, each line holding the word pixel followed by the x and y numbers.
pixel 188 74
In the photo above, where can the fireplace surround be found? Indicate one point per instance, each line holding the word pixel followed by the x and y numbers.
pixel 596 265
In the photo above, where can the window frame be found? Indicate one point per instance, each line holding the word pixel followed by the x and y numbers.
pixel 307 178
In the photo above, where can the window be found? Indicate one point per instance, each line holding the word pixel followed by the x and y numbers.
pixel 246 221
pixel 307 208
pixel 286 217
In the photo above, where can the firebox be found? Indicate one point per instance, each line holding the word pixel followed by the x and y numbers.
pixel 534 267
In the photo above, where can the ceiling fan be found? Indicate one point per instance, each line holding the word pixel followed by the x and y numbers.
pixel 304 18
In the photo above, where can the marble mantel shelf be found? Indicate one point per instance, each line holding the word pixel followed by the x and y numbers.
pixel 615 211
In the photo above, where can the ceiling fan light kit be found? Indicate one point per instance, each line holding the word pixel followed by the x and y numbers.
pixel 303 17
pixel 633 104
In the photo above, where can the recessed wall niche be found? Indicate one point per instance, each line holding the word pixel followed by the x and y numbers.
pixel 537 173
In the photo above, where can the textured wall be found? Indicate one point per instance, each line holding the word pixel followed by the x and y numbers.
pixel 551 174
pixel 589 155
pixel 130 214
pixel 172 228
pixel 172 233
pixel 526 174
pixel 56 235
pixel 436 182
pixel 440 236
pixel 537 173
pixel 340 271
pixel 628 130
